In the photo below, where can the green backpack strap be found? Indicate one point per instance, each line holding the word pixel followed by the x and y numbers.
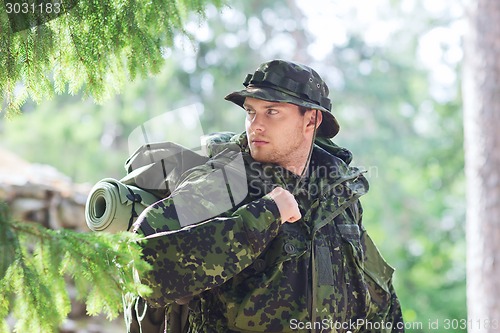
pixel 154 167
pixel 178 318
pixel 142 318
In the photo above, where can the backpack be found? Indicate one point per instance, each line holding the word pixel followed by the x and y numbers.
pixel 157 168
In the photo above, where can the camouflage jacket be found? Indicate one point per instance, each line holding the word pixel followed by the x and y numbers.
pixel 244 271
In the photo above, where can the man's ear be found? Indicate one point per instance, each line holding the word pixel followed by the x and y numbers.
pixel 314 116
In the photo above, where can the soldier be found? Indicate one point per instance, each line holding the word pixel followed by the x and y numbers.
pixel 293 255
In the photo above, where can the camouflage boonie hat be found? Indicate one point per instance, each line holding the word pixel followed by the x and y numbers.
pixel 289 82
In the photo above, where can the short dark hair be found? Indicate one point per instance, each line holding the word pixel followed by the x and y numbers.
pixel 303 109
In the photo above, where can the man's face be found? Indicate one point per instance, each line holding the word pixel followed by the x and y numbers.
pixel 275 131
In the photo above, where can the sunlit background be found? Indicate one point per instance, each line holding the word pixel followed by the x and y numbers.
pixel 393 68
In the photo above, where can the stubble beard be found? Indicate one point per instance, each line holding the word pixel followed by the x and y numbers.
pixel 287 156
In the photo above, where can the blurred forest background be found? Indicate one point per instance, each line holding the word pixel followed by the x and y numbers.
pixel 393 68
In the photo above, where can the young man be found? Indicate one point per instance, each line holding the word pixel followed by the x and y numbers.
pixel 293 256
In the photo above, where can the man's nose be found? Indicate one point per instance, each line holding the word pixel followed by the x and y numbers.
pixel 257 123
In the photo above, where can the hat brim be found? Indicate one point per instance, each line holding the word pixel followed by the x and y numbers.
pixel 329 126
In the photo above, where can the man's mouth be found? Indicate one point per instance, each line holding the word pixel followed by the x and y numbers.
pixel 259 142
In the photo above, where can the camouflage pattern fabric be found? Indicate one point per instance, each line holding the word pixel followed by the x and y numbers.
pixel 244 271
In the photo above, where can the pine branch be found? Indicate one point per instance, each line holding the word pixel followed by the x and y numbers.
pixel 96 46
pixel 36 261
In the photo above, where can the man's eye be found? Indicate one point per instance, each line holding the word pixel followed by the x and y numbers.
pixel 250 111
pixel 272 111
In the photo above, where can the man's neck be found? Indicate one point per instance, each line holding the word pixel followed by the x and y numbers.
pixel 298 164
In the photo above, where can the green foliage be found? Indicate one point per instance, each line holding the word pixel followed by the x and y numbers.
pixel 412 146
pixel 96 46
pixel 37 262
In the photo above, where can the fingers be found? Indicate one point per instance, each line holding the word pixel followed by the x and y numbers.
pixel 287 205
pixel 294 218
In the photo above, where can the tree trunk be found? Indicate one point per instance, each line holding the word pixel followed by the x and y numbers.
pixel 481 91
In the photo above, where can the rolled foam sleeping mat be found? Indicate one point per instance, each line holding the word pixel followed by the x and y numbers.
pixel 110 205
